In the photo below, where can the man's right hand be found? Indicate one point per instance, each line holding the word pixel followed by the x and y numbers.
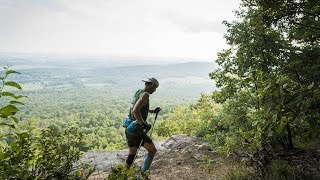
pixel 157 110
pixel 146 126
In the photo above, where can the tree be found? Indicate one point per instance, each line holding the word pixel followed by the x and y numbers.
pixel 269 77
pixel 54 154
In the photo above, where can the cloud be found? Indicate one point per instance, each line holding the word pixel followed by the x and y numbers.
pixel 195 24
pixel 166 28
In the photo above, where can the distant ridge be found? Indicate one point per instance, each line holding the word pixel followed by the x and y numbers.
pixel 185 80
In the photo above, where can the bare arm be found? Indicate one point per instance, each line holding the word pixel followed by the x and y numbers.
pixel 137 107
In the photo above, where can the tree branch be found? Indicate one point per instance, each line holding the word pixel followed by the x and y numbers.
pixel 311 27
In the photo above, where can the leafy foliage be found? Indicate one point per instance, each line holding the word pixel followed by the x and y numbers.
pixel 51 155
pixel 193 119
pixel 121 173
pixel 269 77
pixel 9 110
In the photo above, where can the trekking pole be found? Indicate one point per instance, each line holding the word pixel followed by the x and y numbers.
pixel 154 122
pixel 134 159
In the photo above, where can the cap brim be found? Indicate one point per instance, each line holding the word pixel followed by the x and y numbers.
pixel 146 81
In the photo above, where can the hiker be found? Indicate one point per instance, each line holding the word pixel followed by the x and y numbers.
pixel 137 126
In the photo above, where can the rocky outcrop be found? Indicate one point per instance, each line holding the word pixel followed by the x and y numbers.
pixel 182 156
pixel 187 157
pixel 103 160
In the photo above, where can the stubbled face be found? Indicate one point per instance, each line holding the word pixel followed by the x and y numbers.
pixel 152 88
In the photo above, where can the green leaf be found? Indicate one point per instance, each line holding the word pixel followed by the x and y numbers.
pixel 6 124
pixel 20 96
pixel 13 84
pixel 3 155
pixel 9 71
pixel 254 123
pixel 91 171
pixel 12 95
pixel 16 102
pixel 268 87
pixel 14 119
pixel 274 117
pixel 311 85
pixel 79 173
pixel 9 110
pixel 247 80
pixel 9 94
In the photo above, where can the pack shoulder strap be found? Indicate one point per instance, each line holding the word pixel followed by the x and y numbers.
pixel 135 99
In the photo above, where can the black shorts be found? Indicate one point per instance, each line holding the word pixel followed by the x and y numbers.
pixel 135 140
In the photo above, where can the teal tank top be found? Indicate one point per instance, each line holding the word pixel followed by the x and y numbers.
pixel 144 110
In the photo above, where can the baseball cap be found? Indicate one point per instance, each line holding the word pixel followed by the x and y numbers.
pixel 152 80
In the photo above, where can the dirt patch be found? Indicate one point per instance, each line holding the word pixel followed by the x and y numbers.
pixel 187 157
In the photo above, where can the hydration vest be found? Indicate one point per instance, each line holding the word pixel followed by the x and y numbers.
pixel 144 110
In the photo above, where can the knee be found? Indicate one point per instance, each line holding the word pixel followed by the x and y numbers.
pixel 153 151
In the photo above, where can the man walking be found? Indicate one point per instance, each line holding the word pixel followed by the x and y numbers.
pixel 137 126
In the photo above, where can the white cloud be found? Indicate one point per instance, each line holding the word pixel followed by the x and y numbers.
pixel 166 28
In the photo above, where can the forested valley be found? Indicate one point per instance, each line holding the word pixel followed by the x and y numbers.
pixel 97 100
pixel 52 100
pixel 262 103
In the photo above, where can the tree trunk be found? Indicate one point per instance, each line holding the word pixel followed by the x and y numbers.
pixel 290 144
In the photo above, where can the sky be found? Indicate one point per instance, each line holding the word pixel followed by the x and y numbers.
pixel 135 28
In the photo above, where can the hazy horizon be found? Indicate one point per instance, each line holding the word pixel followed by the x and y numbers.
pixel 26 60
